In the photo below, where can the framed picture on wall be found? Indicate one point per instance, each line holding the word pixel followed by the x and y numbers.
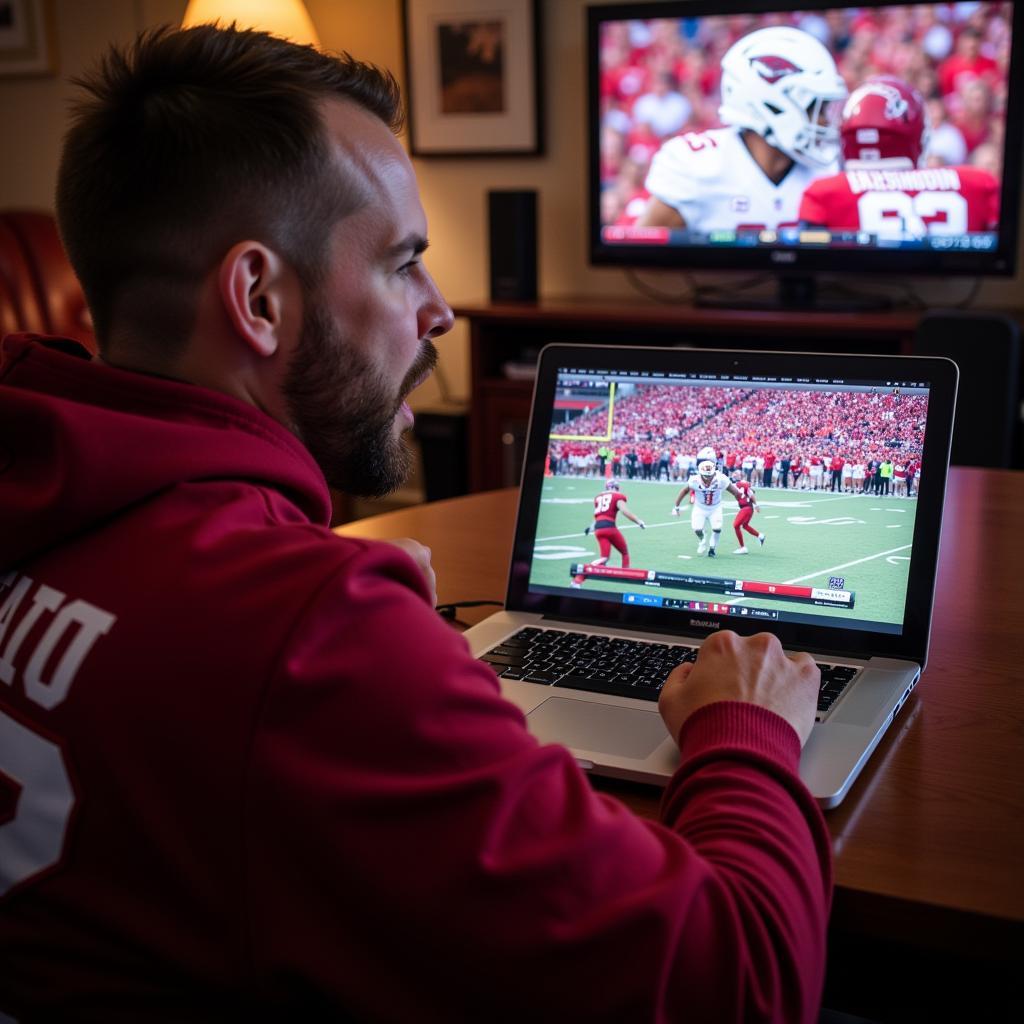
pixel 472 74
pixel 26 38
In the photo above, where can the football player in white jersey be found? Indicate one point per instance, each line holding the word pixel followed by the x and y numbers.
pixel 781 99
pixel 707 487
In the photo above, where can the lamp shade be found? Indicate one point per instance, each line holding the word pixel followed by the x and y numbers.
pixel 288 19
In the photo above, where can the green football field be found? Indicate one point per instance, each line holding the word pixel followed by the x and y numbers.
pixel 813 537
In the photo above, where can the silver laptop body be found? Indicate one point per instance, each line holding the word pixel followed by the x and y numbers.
pixel 845 572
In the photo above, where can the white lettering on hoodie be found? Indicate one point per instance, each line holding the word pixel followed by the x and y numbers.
pixel 33 840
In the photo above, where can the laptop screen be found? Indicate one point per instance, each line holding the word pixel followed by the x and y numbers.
pixel 752 497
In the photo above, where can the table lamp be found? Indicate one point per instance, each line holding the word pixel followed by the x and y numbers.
pixel 288 19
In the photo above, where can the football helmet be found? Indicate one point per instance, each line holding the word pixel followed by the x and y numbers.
pixel 783 84
pixel 706 469
pixel 886 119
pixel 611 484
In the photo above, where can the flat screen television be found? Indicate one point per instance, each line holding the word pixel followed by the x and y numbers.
pixel 868 138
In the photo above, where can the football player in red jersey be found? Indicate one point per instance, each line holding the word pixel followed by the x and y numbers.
pixel 882 189
pixel 747 501
pixel 607 505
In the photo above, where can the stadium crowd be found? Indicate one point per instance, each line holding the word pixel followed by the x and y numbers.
pixel 850 441
pixel 660 78
pixel 674 410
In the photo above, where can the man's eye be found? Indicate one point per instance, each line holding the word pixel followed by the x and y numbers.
pixel 407 268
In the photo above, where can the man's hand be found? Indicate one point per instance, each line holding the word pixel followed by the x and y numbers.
pixel 641 524
pixel 675 510
pixel 586 532
pixel 751 669
pixel 420 554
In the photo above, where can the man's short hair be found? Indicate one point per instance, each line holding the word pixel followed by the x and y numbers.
pixel 188 141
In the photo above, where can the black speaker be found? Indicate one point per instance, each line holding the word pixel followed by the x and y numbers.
pixel 512 223
pixel 443 439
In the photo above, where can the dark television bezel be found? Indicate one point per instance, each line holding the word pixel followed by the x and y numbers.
pixel 941 375
pixel 794 260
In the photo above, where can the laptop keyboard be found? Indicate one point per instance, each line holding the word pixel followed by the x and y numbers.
pixel 614 665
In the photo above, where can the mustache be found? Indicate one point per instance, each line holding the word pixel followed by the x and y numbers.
pixel 422 366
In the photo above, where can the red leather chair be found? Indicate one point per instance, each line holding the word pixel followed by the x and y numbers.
pixel 38 289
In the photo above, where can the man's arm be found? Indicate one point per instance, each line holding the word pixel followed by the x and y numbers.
pixel 754 670
pixel 420 554
pixel 396 804
pixel 660 215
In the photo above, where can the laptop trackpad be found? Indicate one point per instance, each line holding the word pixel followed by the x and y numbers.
pixel 606 728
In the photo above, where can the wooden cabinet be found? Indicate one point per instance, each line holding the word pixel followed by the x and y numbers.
pixel 505 339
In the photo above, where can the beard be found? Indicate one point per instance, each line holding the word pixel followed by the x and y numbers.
pixel 343 411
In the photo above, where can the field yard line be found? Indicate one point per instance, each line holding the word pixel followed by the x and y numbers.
pixel 810 576
pixel 846 565
pixel 811 501
pixel 624 526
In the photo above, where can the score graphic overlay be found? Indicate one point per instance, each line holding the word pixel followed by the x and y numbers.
pixel 732 588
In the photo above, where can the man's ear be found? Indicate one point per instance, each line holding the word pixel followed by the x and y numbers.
pixel 251 284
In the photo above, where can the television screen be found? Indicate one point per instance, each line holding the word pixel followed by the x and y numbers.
pixel 866 138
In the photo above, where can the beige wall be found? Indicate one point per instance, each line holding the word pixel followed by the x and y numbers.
pixel 454 191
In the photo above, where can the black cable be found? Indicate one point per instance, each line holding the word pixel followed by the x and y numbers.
pixel 843 288
pixel 694 290
pixel 653 293
pixel 963 303
pixel 447 611
pixel 971 295
pixel 711 290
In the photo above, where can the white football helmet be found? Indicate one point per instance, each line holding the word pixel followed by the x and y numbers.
pixel 783 84
pixel 706 470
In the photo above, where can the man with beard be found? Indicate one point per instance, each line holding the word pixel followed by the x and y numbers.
pixel 246 771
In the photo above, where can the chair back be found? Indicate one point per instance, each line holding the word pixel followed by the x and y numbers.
pixel 38 289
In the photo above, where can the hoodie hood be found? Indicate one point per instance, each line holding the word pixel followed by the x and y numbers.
pixel 81 441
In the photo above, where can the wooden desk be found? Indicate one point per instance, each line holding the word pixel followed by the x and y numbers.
pixel 929 844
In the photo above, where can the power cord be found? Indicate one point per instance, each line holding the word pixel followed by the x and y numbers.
pixel 971 295
pixel 650 292
pixel 714 291
pixel 697 291
pixel 447 611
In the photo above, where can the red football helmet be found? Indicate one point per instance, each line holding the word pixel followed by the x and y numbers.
pixel 884 119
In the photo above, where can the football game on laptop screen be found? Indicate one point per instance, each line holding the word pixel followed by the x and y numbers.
pixel 775 499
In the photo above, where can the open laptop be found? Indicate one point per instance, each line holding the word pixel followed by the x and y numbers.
pixel 840 563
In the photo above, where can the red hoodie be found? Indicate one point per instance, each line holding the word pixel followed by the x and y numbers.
pixel 245 769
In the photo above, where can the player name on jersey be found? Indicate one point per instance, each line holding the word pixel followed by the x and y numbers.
pixel 931 179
